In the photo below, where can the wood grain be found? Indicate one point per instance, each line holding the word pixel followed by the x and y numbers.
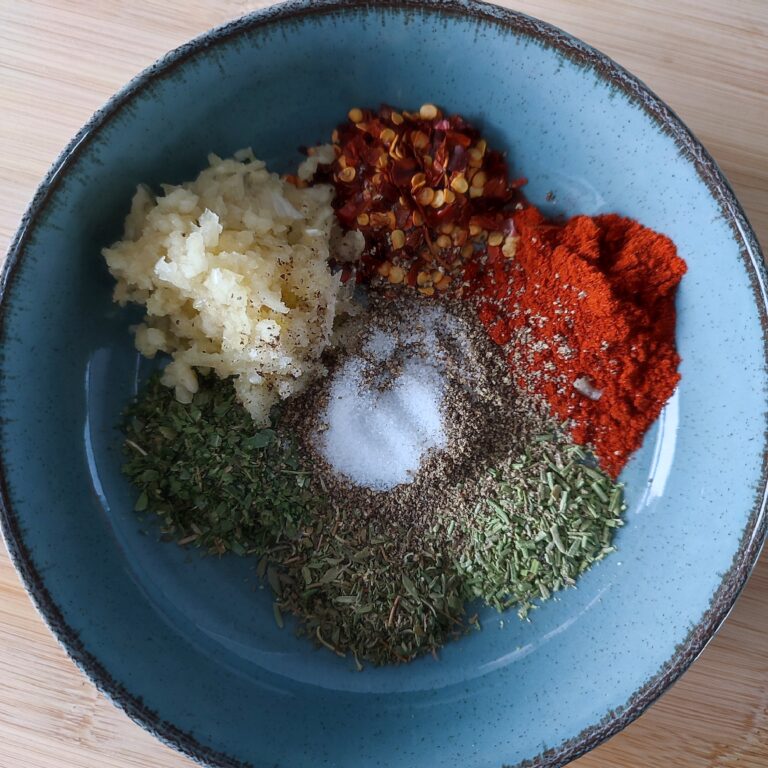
pixel 61 59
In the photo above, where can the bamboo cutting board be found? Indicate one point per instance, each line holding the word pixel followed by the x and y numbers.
pixel 61 59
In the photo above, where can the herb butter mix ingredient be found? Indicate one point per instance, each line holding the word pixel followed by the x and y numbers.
pixel 422 187
pixel 232 269
pixel 551 514
pixel 213 479
pixel 586 313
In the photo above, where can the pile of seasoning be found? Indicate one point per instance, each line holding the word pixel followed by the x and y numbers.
pixel 585 312
pixel 464 446
pixel 422 188
pixel 464 393
pixel 213 480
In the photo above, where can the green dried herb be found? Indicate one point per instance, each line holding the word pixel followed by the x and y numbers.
pixel 552 517
pixel 354 592
pixel 213 479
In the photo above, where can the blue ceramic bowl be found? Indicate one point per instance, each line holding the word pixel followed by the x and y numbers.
pixel 187 645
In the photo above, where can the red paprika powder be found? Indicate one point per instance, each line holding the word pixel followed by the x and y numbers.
pixel 586 314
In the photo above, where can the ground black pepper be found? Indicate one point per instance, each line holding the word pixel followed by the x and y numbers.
pixel 484 418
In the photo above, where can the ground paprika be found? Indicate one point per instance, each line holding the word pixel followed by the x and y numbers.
pixel 585 311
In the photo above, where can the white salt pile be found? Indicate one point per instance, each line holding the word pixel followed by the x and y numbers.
pixel 384 410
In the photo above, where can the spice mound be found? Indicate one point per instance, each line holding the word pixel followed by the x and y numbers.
pixel 418 186
pixel 586 314
pixel 391 380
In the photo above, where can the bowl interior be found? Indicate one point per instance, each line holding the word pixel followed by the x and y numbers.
pixel 193 638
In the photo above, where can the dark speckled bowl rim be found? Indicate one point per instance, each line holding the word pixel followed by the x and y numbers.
pixel 579 53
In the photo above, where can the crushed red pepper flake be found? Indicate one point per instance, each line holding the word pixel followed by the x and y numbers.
pixel 423 188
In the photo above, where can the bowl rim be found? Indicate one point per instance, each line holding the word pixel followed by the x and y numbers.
pixel 576 51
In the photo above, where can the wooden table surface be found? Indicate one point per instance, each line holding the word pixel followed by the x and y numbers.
pixel 61 59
